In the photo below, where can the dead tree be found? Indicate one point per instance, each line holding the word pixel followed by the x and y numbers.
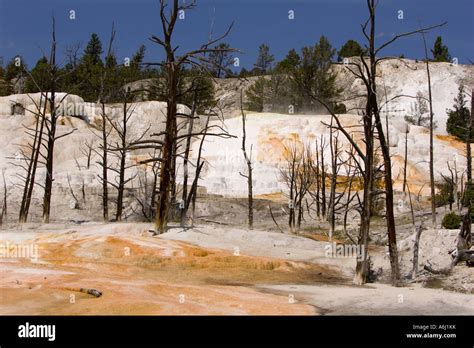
pixel 214 112
pixel 147 190
pixel 373 109
pixel 248 161
pixel 102 132
pixel 316 172
pixel 336 164
pixel 414 270
pixel 322 176
pixel 469 140
pixel 305 179
pixel 199 165
pixel 87 151
pixel 51 126
pixel 352 193
pixel 121 150
pixel 296 174
pixel 366 156
pixel 407 130
pixel 366 71
pixel 188 195
pixel 173 66
pixel 31 157
pixel 51 131
pixel 319 173
pixel 3 214
pixel 71 191
pixel 289 176
pixel 186 160
pixel 430 101
pixel 418 229
pixel 72 54
pixel 40 150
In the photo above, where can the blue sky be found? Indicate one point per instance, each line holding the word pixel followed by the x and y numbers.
pixel 25 25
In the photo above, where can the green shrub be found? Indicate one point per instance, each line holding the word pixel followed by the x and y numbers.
pixel 451 221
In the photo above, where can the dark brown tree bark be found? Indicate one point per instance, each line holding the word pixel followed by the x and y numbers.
pixel 33 159
pixel 123 156
pixel 323 178
pixel 335 151
pixel 173 66
pixel 162 209
pixel 187 150
pixel 414 270
pixel 105 164
pixel 430 100
pixel 390 216
pixel 51 132
pixel 318 185
pixel 4 212
pixel 51 127
pixel 248 161
pixel 469 140
pixel 407 130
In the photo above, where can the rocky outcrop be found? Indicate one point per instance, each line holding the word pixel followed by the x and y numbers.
pixel 267 132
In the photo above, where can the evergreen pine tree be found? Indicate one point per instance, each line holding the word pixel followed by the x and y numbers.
pixel 350 49
pixel 5 86
pixel 264 59
pixel 458 117
pixel 440 52
pixel 38 78
pixel 93 50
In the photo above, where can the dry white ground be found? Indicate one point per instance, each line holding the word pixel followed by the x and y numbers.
pixel 371 299
pixel 218 270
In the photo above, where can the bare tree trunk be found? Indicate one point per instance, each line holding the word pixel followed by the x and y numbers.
pixel 104 136
pixel 51 131
pixel 123 155
pixel 468 141
pixel 360 276
pixel 197 173
pixel 33 162
pixel 414 271
pixel 323 180
pixel 367 74
pixel 4 212
pixel 332 196
pixel 162 209
pixel 318 186
pixel 292 198
pixel 248 160
pixel 184 196
pixel 105 185
pixel 173 67
pixel 406 158
pixel 48 185
pixel 430 98
pixel 347 205
pixel 390 216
